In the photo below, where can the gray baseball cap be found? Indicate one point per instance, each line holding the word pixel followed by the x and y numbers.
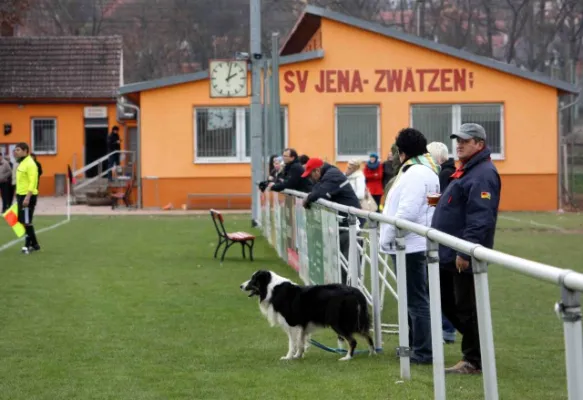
pixel 469 131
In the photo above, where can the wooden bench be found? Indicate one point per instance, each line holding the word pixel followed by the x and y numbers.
pixel 229 239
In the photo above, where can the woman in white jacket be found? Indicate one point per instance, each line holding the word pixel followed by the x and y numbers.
pixel 356 178
pixel 407 199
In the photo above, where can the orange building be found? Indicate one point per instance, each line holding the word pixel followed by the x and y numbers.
pixel 347 87
pixel 59 94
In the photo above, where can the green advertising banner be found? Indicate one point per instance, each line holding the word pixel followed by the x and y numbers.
pixel 302 241
pixel 273 219
pixel 282 227
pixel 266 220
pixel 330 236
pixel 315 244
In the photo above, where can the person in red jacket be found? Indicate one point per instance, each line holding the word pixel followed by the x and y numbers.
pixel 373 173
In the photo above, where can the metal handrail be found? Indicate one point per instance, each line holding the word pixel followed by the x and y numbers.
pixel 570 279
pixel 89 181
pixel 99 161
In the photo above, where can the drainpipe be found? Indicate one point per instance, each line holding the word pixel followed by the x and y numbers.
pixel 561 169
pixel 139 151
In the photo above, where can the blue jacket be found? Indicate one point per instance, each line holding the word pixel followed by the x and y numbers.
pixel 468 208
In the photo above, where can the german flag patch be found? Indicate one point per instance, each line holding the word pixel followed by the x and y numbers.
pixel 486 195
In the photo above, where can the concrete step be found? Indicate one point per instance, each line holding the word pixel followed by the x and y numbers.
pixel 79 195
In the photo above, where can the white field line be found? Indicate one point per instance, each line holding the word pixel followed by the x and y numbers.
pixel 555 227
pixel 19 240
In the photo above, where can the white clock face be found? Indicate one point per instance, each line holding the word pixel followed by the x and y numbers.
pixel 220 118
pixel 228 78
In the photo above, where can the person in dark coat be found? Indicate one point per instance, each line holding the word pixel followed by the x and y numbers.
pixel 331 184
pixel 113 144
pixel 292 175
pixel 467 209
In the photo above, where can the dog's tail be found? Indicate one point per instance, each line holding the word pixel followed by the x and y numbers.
pixel 363 314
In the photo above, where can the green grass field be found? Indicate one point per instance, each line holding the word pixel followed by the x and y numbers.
pixel 137 308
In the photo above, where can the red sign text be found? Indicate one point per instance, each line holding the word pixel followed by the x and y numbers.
pixel 380 80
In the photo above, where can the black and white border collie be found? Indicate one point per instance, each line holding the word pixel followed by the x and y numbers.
pixel 300 310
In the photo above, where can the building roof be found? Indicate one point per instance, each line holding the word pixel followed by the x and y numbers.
pixel 310 22
pixel 63 68
pixel 202 75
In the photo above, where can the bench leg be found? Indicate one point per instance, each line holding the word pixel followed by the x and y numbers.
pixel 226 248
pixel 243 249
pixel 221 241
pixel 251 250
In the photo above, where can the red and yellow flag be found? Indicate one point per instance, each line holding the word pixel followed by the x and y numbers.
pixel 11 216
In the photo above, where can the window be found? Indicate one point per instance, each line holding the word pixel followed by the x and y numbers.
pixel 223 134
pixel 357 131
pixel 439 121
pixel 44 136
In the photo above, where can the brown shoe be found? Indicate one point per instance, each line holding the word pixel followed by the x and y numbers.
pixel 463 368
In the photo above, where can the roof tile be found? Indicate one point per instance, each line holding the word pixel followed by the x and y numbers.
pixel 83 67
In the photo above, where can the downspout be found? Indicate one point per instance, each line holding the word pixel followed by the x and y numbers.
pixel 560 123
pixel 139 150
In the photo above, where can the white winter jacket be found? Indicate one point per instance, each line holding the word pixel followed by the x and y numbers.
pixel 358 183
pixel 407 199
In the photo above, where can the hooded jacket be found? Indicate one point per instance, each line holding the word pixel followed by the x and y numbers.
pixel 334 186
pixel 407 199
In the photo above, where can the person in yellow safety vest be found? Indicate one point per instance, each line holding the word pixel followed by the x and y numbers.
pixel 26 194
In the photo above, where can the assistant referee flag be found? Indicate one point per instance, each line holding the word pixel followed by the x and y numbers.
pixel 11 216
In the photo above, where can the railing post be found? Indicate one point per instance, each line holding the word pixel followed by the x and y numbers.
pixel 403 351
pixel 569 310
pixel 436 324
pixel 480 269
pixel 352 252
pixel 374 282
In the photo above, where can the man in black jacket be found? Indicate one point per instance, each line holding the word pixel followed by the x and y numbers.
pixel 331 184
pixel 467 209
pixel 292 174
pixel 113 144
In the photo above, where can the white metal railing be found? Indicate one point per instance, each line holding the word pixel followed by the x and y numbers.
pixel 98 163
pixel 569 308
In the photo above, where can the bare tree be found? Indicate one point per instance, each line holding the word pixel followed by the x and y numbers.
pixel 518 16
pixel 67 17
pixel 12 13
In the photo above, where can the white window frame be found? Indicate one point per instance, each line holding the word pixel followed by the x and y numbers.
pixel 285 133
pixel 345 158
pixel 32 144
pixel 456 115
pixel 240 125
pixel 239 133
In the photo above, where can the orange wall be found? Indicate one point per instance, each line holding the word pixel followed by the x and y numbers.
pixel 530 120
pixel 70 135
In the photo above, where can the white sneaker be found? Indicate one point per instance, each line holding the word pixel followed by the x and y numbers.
pixel 25 250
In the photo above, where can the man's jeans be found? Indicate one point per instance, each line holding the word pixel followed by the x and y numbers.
pixel 448 329
pixel 418 307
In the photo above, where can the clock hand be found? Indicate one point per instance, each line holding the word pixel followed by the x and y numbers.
pixel 229 72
